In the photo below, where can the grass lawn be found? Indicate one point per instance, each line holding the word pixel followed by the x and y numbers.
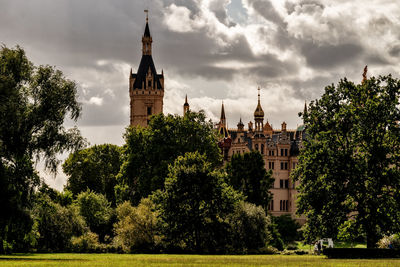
pixel 116 260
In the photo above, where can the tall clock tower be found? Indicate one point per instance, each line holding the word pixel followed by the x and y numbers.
pixel 146 87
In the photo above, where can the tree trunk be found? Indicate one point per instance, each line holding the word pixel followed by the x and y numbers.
pixel 372 238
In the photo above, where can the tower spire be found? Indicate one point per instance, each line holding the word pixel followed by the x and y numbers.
pixel 223 119
pixel 147 40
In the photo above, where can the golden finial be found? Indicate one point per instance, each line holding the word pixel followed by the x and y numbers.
pixel 365 74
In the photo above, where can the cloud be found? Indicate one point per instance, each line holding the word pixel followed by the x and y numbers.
pixel 212 50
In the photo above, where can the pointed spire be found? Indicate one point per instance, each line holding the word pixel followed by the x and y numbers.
pixel 147 30
pixel 222 119
pixel 365 74
pixel 185 106
pixel 258 113
pixel 147 40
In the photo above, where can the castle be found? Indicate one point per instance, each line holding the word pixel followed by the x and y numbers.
pixel 279 147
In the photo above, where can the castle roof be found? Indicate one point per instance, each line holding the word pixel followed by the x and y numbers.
pixel 146 63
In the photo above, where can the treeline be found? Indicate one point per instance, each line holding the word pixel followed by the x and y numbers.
pixel 143 197
pixel 165 190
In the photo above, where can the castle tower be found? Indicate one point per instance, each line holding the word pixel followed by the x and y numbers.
pixel 185 106
pixel 259 115
pixel 146 87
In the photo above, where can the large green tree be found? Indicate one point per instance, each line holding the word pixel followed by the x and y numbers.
pixel 247 174
pixel 149 151
pixel 94 168
pixel 34 101
pixel 195 204
pixel 349 167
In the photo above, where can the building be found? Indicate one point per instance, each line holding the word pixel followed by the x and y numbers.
pixel 146 87
pixel 279 148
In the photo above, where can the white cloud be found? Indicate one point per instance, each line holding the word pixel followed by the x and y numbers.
pixel 94 100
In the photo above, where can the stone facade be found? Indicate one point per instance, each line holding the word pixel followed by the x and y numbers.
pixel 146 87
pixel 279 148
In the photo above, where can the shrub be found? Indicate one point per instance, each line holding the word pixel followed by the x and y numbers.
pixel 97 211
pixel 137 227
pixel 287 228
pixel 386 241
pixel 88 242
pixel 249 227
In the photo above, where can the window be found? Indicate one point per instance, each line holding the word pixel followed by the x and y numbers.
pixel 284 205
pixel 284 165
pixel 284 183
pixel 294 165
pixel 148 110
pixel 257 147
pixel 281 151
pixel 286 152
pixel 271 205
pixel 149 84
pixel 262 149
pixel 271 165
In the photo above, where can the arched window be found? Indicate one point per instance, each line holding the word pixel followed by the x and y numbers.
pixel 262 149
pixel 257 147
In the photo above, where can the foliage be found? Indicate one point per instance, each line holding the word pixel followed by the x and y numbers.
pixel 249 226
pixel 287 228
pixel 149 151
pixel 392 241
pixel 247 174
pixel 97 212
pixel 94 168
pixel 276 240
pixel 88 242
pixel 194 203
pixel 54 225
pixel 34 101
pixel 137 228
pixel 349 166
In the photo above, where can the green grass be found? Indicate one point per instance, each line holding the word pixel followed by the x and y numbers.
pixel 116 260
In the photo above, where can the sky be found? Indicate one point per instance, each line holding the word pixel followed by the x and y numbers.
pixel 211 50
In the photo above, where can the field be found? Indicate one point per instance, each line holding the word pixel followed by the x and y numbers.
pixel 116 260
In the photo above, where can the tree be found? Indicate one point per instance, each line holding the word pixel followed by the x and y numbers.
pixel 287 227
pixel 34 101
pixel 94 168
pixel 54 225
pixel 194 204
pixel 349 167
pixel 149 151
pixel 247 174
pixel 249 226
pixel 97 212
pixel 137 228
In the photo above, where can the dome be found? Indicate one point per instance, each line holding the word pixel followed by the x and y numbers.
pixel 259 111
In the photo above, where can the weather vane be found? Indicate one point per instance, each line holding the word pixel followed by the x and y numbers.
pixel 147 14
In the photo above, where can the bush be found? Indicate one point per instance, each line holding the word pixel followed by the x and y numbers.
pixel 54 225
pixel 97 211
pixel 137 227
pixel 88 242
pixel 386 241
pixel 287 228
pixel 360 253
pixel 249 227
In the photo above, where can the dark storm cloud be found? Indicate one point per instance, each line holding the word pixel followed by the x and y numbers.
pixel 330 56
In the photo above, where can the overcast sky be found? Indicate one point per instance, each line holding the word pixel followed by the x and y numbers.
pixel 211 50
